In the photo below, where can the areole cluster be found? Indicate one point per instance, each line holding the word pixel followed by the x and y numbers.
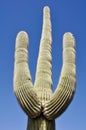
pixel 37 100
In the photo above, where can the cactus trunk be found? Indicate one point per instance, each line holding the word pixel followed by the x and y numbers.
pixel 40 123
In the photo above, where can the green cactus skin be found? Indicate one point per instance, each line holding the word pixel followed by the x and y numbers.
pixel 37 101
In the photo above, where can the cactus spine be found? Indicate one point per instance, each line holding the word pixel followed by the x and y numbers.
pixel 38 102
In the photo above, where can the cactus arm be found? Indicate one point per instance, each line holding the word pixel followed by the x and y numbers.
pixel 66 86
pixel 23 87
pixel 44 64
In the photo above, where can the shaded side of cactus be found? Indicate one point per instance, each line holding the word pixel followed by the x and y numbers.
pixel 37 101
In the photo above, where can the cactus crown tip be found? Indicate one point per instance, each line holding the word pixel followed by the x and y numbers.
pixel 68 34
pixel 21 33
pixel 22 39
pixel 46 9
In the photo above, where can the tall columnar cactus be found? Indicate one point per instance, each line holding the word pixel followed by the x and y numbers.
pixel 38 102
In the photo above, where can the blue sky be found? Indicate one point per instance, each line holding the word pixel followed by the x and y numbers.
pixel 66 16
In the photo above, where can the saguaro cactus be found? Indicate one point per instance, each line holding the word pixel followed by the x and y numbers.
pixel 38 102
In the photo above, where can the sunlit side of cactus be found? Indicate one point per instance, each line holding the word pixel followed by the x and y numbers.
pixel 38 102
